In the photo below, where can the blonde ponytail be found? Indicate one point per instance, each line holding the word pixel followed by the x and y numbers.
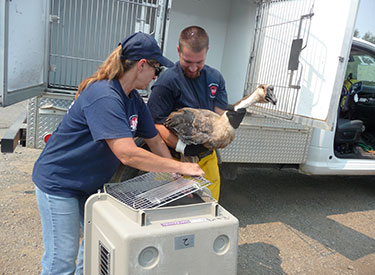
pixel 112 68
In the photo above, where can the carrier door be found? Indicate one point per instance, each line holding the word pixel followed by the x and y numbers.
pixel 23 49
pixel 84 33
pixel 301 47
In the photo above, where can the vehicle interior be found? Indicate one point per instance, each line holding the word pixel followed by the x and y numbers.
pixel 355 127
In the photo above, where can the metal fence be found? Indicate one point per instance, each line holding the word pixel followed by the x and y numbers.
pixel 84 32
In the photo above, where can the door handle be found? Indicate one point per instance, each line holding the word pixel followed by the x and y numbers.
pixel 295 51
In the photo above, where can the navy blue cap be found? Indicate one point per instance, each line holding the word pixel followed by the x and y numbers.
pixel 141 45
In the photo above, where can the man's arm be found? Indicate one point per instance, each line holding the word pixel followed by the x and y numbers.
pixel 158 146
pixel 169 138
pixel 219 110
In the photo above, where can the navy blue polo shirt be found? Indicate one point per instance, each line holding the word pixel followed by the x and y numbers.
pixel 76 160
pixel 173 91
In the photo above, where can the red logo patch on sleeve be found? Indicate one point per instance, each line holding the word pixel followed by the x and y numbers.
pixel 133 122
pixel 213 89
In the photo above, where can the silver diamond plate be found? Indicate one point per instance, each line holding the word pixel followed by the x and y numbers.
pixel 268 140
pixel 258 140
pixel 41 124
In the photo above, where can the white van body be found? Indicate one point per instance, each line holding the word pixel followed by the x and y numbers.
pixel 301 47
pixel 321 158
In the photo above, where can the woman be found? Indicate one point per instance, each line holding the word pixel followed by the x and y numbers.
pixel 95 135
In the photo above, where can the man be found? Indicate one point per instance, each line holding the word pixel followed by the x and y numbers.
pixel 190 83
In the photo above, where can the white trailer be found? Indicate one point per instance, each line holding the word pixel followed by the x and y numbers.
pixel 302 47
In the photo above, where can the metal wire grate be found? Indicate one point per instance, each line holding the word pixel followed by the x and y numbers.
pixel 279 24
pixel 83 34
pixel 153 190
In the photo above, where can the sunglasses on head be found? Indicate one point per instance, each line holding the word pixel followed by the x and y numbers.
pixel 157 68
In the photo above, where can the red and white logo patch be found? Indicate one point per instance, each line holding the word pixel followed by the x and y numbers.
pixel 213 89
pixel 133 122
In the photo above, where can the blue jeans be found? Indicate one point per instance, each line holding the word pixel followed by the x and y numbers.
pixel 62 220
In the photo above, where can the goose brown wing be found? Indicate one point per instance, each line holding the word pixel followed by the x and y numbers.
pixel 192 126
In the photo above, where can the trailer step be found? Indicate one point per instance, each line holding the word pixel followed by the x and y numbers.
pixel 14 134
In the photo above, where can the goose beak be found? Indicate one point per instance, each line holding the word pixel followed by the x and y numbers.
pixel 270 95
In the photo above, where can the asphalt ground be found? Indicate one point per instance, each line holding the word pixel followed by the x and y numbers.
pixel 292 223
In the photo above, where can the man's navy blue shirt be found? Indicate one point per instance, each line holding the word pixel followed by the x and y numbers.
pixel 76 160
pixel 173 91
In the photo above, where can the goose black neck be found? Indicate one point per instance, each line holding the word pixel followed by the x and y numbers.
pixel 235 117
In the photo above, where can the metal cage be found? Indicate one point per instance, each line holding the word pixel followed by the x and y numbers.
pixel 281 33
pixel 84 33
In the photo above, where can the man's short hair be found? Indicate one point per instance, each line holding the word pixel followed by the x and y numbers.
pixel 195 38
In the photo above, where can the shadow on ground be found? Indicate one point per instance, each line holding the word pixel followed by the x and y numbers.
pixel 303 202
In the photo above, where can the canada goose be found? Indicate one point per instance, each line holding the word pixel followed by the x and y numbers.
pixel 201 126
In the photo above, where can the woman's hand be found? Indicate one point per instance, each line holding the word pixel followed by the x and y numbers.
pixel 191 169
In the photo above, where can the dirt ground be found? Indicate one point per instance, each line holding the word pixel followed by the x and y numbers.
pixel 289 223
pixel 292 223
pixel 20 228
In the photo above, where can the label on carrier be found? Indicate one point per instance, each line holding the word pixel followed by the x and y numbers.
pixel 184 222
pixel 182 242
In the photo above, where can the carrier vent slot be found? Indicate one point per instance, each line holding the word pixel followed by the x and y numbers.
pixel 104 260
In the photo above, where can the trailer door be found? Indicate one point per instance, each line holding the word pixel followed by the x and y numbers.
pixel 23 49
pixel 302 48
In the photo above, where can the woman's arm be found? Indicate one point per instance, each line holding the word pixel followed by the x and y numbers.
pixel 130 154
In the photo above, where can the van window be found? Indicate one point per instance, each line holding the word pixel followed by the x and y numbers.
pixel 362 68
